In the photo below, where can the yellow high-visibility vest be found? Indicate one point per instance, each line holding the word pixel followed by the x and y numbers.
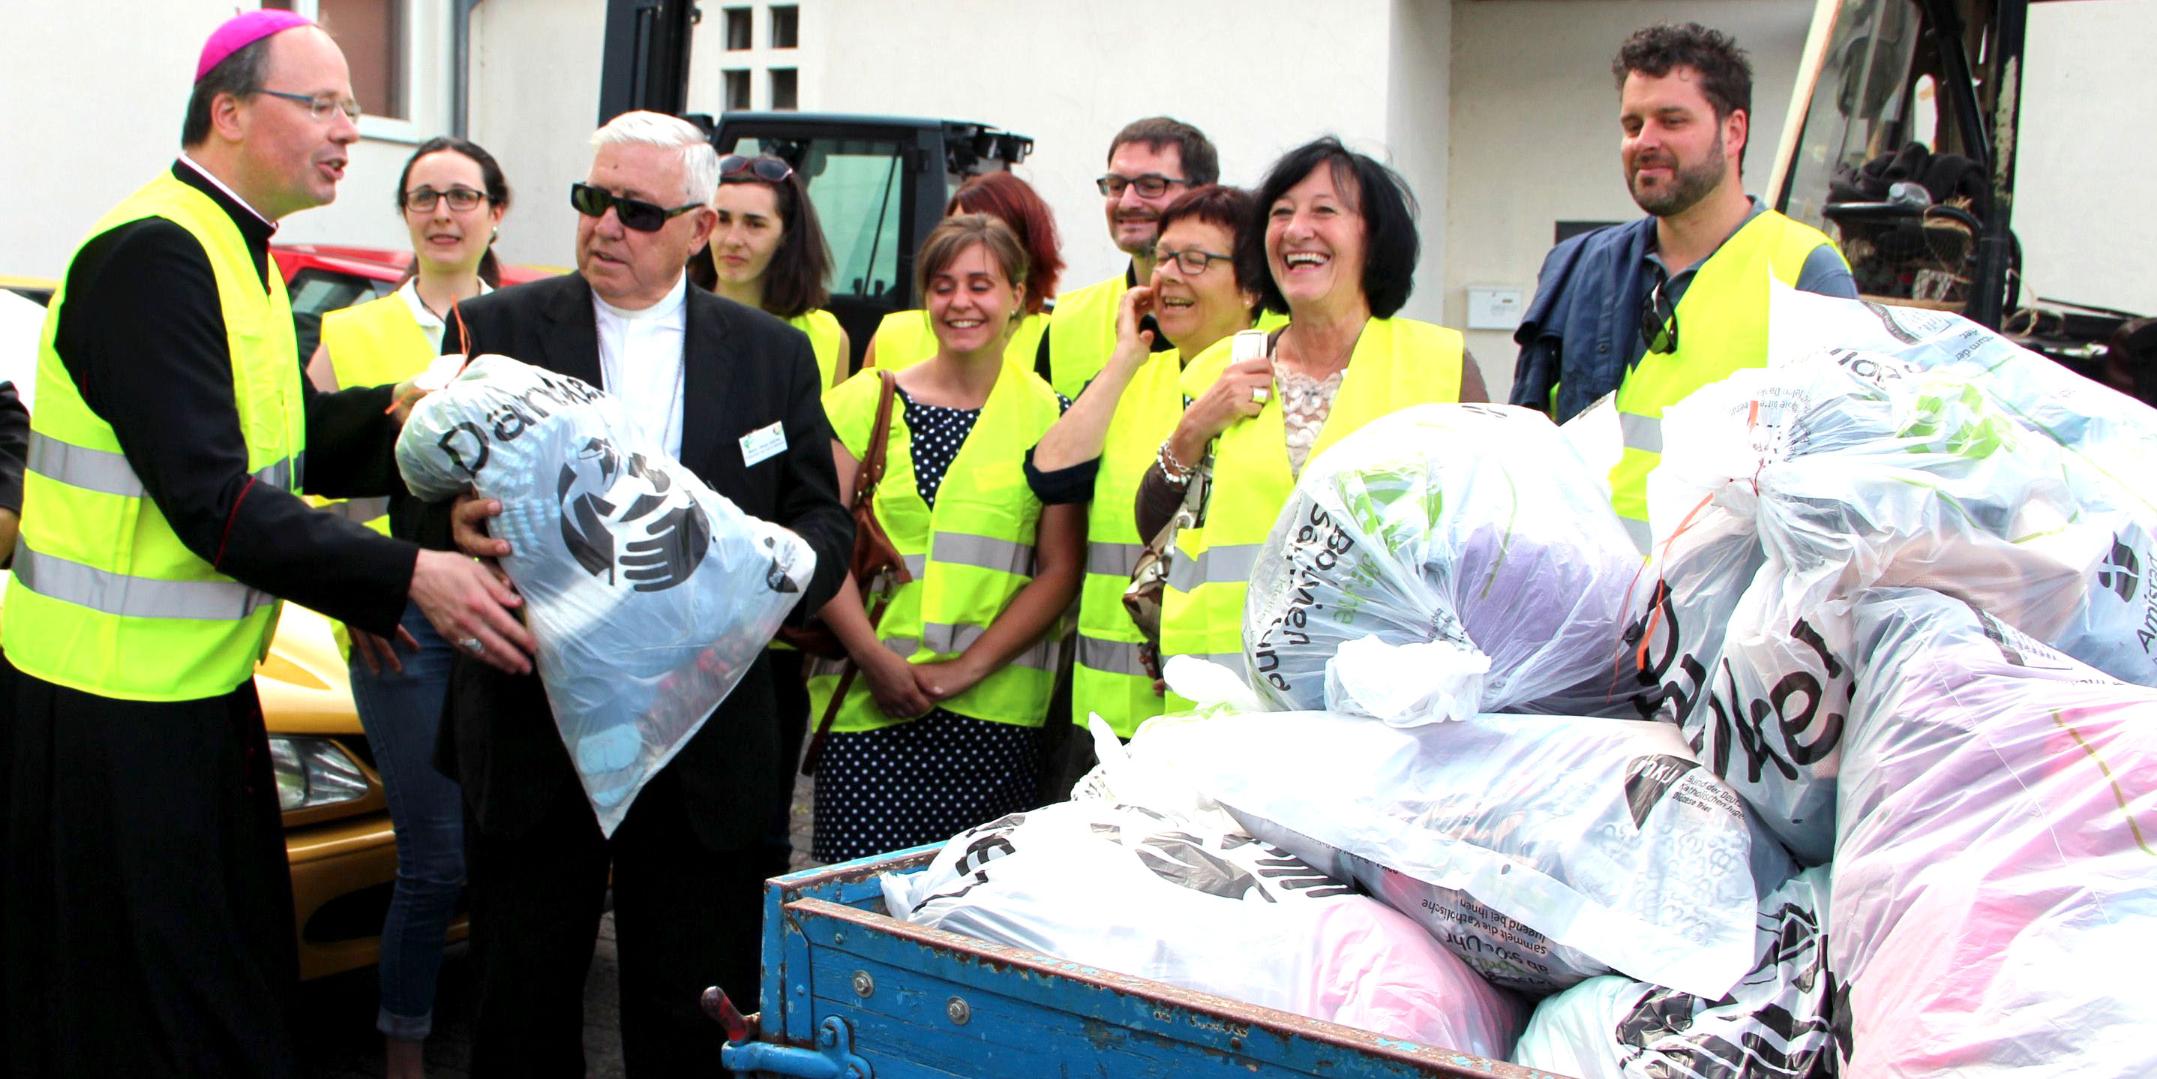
pixel 1722 328
pixel 969 556
pixel 823 329
pixel 104 598
pixel 1082 334
pixel 374 344
pixel 1397 362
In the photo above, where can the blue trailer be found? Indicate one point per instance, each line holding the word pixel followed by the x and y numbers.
pixel 850 992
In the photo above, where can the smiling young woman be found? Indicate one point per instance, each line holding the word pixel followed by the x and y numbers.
pixel 941 730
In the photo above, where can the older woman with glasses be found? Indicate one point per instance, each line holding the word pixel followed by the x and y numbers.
pixel 1333 245
pixel 905 338
pixel 453 196
pixel 768 251
pixel 1104 446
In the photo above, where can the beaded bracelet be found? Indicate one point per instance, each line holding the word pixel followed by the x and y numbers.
pixel 1176 472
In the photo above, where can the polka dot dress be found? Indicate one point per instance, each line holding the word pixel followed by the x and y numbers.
pixel 928 779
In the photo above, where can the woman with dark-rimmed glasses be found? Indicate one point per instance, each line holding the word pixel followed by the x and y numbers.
pixel 768 251
pixel 453 196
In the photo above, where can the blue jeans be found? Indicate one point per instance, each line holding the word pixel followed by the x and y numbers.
pixel 400 713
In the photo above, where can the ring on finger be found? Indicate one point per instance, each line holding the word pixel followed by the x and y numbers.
pixel 473 645
pixel 1259 394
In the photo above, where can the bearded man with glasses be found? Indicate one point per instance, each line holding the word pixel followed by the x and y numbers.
pixel 1657 308
pixel 146 924
pixel 732 393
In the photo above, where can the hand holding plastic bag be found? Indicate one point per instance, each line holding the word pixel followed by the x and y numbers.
pixel 649 594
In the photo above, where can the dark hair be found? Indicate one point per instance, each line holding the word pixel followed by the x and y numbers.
pixel 1215 204
pixel 955 234
pixel 1201 164
pixel 239 74
pixel 1726 76
pixel 1390 243
pixel 1014 202
pixel 794 281
pixel 490 173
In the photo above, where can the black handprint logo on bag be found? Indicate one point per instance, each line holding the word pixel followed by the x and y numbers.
pixel 622 513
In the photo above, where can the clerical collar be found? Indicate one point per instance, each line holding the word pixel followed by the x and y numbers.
pixel 222 186
pixel 665 308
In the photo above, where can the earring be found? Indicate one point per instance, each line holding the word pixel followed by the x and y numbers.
pixel 497 235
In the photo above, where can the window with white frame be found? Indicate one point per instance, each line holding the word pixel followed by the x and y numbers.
pixel 380 41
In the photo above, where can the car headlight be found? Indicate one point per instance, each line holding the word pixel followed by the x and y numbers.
pixel 314 772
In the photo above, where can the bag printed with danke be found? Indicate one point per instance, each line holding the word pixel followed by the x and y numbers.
pixel 1995 872
pixel 1446 579
pixel 1778 1021
pixel 649 594
pixel 1540 849
pixel 1140 892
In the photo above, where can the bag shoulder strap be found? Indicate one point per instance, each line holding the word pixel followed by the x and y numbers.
pixel 871 471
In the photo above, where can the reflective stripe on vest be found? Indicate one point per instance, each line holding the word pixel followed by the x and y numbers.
pixel 970 555
pixel 904 339
pixel 1722 328
pixel 1082 333
pixel 1108 677
pixel 1397 362
pixel 822 328
pixel 105 598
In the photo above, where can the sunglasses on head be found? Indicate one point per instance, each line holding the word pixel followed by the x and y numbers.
pixel 1659 318
pixel 764 167
pixel 632 213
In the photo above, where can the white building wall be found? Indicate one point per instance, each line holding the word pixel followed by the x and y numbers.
pixel 1258 76
pixel 535 102
pixel 1535 130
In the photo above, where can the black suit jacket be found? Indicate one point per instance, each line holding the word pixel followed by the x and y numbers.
pixel 744 370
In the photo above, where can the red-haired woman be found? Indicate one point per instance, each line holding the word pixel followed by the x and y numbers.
pixel 904 339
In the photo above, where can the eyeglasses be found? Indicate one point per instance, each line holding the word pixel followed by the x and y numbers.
pixel 633 213
pixel 320 106
pixel 461 199
pixel 1153 185
pixel 1191 260
pixel 764 167
pixel 1659 318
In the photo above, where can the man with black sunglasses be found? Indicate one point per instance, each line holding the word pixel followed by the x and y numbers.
pixel 732 393
pixel 1657 308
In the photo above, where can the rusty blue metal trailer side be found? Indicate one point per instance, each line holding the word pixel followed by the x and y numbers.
pixel 850 992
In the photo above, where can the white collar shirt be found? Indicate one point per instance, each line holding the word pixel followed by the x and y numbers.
pixel 640 360
pixel 429 322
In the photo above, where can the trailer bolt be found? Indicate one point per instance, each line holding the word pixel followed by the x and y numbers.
pixel 863 984
pixel 957 1009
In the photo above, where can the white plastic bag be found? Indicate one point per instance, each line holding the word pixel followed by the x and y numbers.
pixel 1131 890
pixel 1995 874
pixel 1413 530
pixel 649 594
pixel 1778 1021
pixel 1541 849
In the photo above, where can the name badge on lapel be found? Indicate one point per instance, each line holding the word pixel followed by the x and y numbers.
pixel 761 444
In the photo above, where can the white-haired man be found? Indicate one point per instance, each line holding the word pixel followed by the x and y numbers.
pixel 714 382
pixel 145 907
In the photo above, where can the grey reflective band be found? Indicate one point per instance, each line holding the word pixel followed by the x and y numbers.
pixel 917 565
pixel 981 552
pixel 951 639
pixel 1643 537
pixel 107 472
pixel 1113 559
pixel 1113 657
pixel 135 597
pixel 1221 565
pixel 361 510
pixel 1644 433
pixel 80 466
